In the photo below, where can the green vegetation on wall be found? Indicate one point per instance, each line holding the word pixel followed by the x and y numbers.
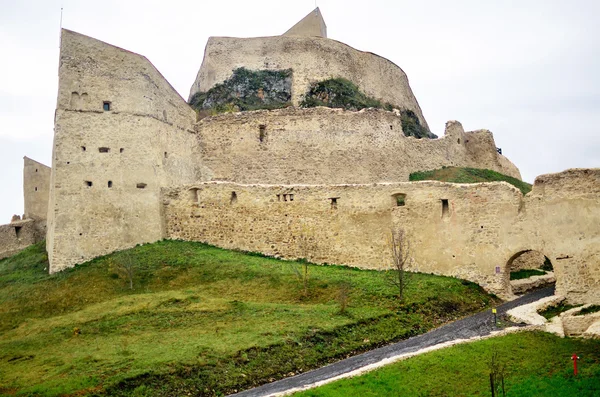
pixel 247 90
pixel 342 93
pixel 468 175
pixel 199 320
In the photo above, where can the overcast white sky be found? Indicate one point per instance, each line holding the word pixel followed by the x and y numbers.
pixel 528 70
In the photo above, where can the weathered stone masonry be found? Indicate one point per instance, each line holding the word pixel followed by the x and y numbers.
pixel 467 231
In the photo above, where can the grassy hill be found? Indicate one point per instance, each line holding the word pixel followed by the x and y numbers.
pixel 536 364
pixel 468 175
pixel 199 320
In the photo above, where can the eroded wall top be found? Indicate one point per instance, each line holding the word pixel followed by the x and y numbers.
pixel 312 59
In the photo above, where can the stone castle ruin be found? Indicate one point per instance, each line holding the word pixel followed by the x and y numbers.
pixel 134 163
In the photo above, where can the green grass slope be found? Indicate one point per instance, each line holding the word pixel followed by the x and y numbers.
pixel 536 364
pixel 468 175
pixel 199 320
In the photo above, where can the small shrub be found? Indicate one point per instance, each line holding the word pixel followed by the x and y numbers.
pixel 246 90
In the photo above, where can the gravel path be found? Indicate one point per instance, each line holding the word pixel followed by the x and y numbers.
pixel 480 324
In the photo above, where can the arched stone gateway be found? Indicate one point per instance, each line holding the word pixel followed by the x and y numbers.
pixel 527 270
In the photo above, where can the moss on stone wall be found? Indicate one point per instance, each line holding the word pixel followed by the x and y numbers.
pixel 247 90
pixel 342 93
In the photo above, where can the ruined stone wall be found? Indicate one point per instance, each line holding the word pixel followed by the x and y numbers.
pixel 15 236
pixel 332 146
pixel 470 231
pixel 312 59
pixel 121 132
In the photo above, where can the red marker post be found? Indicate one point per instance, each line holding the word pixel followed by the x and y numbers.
pixel 575 357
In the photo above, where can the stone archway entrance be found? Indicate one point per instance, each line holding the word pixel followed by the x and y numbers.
pixel 528 270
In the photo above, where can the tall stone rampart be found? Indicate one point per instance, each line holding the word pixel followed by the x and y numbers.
pixel 121 132
pixel 470 231
pixel 36 193
pixel 332 146
pixel 312 59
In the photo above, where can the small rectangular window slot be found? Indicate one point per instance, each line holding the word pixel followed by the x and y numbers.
pixel 141 185
pixel 104 149
pixel 18 231
pixel 285 197
pixel 106 106
pixel 262 132
pixel 291 197
pixel 36 170
pixel 445 208
pixel 233 198
pixel 109 184
pixel 334 202
pixel 36 189
pixel 121 150
pixel 88 183
pixel 166 155
pixel 83 149
pixel 399 199
pixel 279 197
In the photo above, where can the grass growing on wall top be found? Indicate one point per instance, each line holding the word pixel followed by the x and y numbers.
pixel 200 320
pixel 468 175
pixel 342 93
pixel 537 364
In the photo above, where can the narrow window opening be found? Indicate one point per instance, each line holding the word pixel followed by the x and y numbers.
pixel 121 150
pixel 104 149
pixel 106 106
pixel 109 184
pixel 334 202
pixel 458 141
pixel 233 198
pixel 36 188
pixel 262 134
pixel 166 155
pixel 141 185
pixel 291 197
pixel 83 149
pixel 285 197
pixel 193 195
pixel 18 231
pixel 36 170
pixel 88 183
pixel 279 197
pixel 68 162
pixel 391 127
pixel 445 208
pixel 399 199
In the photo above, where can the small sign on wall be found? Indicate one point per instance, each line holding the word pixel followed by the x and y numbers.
pixel 497 269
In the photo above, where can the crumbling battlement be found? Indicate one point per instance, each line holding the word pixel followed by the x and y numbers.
pixel 470 231
pixel 312 59
pixel 15 236
pixel 332 146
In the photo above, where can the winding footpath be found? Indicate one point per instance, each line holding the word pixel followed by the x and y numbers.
pixel 480 324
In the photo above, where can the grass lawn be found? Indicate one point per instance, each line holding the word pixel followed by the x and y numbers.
pixel 526 273
pixel 537 364
pixel 199 320
pixel 468 175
